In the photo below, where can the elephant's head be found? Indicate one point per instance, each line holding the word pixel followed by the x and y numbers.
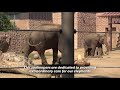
pixel 102 39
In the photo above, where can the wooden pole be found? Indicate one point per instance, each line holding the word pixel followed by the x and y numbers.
pixel 110 31
pixel 68 37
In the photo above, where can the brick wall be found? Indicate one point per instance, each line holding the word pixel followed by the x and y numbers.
pixel 102 24
pixel 38 18
pixel 22 24
pixel 17 40
pixel 21 20
pixel 86 22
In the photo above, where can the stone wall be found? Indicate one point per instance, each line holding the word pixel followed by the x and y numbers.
pixel 17 40
pixel 86 23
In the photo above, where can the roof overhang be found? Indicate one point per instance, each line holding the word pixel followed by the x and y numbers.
pixel 109 14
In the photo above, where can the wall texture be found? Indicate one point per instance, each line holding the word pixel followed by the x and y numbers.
pixel 86 23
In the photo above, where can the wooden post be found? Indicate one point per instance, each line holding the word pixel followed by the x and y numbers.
pixel 68 37
pixel 110 31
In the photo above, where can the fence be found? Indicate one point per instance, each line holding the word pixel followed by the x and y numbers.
pixel 18 39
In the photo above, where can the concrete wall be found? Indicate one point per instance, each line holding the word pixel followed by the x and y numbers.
pixel 21 20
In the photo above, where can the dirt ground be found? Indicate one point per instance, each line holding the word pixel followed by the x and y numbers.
pixel 106 67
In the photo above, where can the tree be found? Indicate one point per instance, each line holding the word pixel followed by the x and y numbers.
pixel 5 23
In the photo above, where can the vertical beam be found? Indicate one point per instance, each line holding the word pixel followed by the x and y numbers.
pixel 110 31
pixel 68 37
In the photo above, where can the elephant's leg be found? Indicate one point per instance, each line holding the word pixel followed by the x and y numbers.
pixel 93 50
pixel 96 51
pixel 89 52
pixel 86 51
pixel 27 51
pixel 55 55
pixel 100 52
pixel 42 55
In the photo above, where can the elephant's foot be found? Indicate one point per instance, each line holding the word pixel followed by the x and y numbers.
pixel 54 63
pixel 58 62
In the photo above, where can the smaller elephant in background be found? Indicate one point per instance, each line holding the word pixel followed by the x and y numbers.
pixel 93 41
pixel 4 43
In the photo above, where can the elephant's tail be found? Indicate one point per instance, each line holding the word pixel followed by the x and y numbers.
pixel 33 44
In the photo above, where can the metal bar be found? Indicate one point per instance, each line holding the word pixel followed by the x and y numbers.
pixel 35 30
pixel 89 32
pixel 110 31
pixel 68 37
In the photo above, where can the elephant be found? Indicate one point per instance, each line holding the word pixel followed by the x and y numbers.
pixel 93 41
pixel 40 41
pixel 4 43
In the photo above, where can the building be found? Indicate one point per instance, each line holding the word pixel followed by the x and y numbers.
pixel 83 21
pixel 30 20
pixel 102 24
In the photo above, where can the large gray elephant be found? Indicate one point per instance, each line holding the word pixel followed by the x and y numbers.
pixel 93 41
pixel 40 41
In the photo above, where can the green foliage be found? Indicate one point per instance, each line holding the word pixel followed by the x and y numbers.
pixel 5 24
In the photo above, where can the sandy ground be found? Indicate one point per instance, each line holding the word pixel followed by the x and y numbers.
pixel 106 67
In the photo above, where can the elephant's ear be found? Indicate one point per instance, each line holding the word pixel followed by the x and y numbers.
pixel 98 35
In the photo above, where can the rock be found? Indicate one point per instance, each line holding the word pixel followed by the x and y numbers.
pixel 87 63
pixel 79 63
pixel 82 62
pixel 79 57
pixel 36 56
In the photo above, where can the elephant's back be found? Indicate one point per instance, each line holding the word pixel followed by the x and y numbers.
pixel 50 27
pixel 90 37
